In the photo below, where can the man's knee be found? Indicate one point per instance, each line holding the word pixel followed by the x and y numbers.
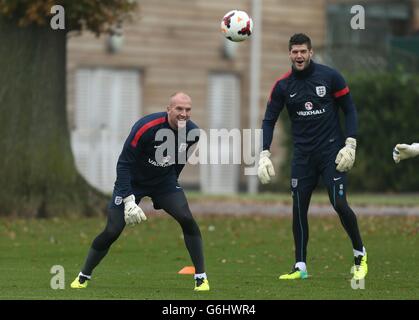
pixel 188 224
pixel 112 231
pixel 340 205
pixel 106 238
pixel 186 219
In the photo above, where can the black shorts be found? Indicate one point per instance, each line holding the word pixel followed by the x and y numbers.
pixel 307 168
pixel 140 192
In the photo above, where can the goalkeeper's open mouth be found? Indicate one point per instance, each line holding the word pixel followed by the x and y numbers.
pixel 299 63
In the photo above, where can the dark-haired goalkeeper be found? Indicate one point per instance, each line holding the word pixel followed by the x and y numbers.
pixel 142 172
pixel 314 95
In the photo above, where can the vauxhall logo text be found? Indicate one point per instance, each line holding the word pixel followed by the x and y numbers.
pixel 311 112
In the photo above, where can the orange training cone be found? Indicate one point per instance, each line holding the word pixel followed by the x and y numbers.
pixel 187 270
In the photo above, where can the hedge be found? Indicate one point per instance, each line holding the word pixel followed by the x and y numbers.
pixel 388 106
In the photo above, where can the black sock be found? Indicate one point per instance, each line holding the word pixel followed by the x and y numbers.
pixel 93 258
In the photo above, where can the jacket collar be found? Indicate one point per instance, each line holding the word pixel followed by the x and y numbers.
pixel 306 72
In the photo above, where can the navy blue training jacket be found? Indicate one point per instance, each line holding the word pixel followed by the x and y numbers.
pixel 313 98
pixel 137 165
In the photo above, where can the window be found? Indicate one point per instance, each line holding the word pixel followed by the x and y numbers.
pixel 224 113
pixel 106 106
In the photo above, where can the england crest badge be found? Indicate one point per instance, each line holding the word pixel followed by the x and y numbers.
pixel 321 91
pixel 118 200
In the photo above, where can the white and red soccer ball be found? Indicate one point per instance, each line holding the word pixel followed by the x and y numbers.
pixel 236 25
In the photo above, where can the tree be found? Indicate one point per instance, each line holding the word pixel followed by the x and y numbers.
pixel 38 177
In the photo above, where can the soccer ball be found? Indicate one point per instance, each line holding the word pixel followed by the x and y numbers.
pixel 236 25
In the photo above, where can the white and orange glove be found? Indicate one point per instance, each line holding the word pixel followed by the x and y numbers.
pixel 346 156
pixel 266 168
pixel 405 151
pixel 133 214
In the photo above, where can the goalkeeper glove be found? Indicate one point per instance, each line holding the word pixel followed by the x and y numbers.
pixel 405 151
pixel 265 169
pixel 346 156
pixel 133 214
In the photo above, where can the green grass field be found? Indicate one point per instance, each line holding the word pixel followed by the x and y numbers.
pixel 244 257
pixel 319 197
